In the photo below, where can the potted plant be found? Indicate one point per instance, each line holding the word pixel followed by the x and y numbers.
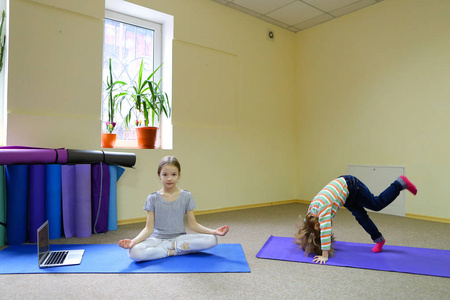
pixel 109 139
pixel 149 101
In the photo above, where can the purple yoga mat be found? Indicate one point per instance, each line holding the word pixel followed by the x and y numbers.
pixel 11 155
pixel 36 200
pixel 83 209
pixel 76 194
pixel 100 197
pixel 68 188
pixel 422 261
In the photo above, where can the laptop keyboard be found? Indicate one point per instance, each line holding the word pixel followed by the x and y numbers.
pixel 56 257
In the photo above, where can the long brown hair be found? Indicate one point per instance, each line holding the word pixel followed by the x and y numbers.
pixel 308 237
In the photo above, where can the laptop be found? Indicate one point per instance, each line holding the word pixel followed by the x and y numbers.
pixel 47 258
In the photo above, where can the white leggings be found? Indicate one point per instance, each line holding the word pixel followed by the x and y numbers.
pixel 154 248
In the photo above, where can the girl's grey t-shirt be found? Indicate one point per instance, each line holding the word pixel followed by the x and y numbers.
pixel 169 216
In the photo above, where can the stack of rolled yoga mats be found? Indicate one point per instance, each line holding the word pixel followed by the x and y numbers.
pixel 76 190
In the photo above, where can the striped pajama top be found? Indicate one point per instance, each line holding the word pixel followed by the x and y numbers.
pixel 325 205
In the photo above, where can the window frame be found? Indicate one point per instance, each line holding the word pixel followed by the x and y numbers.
pixel 145 17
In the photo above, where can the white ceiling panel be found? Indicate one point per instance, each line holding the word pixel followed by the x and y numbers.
pixel 294 13
pixel 352 7
pixel 313 22
pixel 329 5
pixel 297 15
pixel 262 6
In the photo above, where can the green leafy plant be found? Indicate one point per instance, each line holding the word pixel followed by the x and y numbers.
pixel 113 98
pixel 148 99
pixel 2 41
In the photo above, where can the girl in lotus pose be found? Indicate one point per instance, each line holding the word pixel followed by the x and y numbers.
pixel 164 234
pixel 315 234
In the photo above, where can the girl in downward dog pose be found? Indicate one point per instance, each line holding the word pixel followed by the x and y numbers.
pixel 315 234
pixel 164 234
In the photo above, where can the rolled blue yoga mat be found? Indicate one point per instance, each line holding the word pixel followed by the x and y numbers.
pixel 100 197
pixel 83 208
pixel 2 206
pixel 53 204
pixel 16 204
pixel 36 200
pixel 115 173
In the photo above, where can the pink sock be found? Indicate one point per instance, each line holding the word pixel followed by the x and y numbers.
pixel 378 246
pixel 409 185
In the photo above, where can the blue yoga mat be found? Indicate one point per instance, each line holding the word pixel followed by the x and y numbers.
pixel 2 206
pixel 115 174
pixel 107 258
pixel 53 200
pixel 16 204
pixel 423 261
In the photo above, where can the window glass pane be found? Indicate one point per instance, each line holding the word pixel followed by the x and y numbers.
pixel 127 45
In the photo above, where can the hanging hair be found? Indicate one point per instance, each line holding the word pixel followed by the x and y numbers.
pixel 169 160
pixel 308 237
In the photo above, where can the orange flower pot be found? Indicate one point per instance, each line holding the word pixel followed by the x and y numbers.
pixel 146 137
pixel 108 140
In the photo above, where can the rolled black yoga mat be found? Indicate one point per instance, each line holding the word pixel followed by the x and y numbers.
pixel 96 156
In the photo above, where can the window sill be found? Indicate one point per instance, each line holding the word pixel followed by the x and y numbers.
pixel 129 144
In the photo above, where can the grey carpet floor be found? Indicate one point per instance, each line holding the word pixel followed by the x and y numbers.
pixel 269 279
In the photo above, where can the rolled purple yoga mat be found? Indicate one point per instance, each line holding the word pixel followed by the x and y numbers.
pixel 36 200
pixel 12 155
pixel 16 204
pixel 83 209
pixel 100 197
pixel 68 188
pixel 76 191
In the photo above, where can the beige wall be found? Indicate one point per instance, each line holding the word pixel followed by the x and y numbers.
pixel 55 86
pixel 367 88
pixel 373 89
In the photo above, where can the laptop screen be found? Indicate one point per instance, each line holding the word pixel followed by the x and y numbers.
pixel 43 240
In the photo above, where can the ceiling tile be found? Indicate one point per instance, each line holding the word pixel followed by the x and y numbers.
pixel 221 1
pixel 352 7
pixel 295 13
pixel 262 6
pixel 329 5
pixel 244 10
pixel 313 22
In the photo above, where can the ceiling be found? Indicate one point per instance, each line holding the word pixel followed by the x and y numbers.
pixel 297 15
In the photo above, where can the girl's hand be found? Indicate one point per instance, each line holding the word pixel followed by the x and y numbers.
pixel 320 259
pixel 222 230
pixel 126 244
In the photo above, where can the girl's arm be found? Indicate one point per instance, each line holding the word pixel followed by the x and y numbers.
pixel 144 234
pixel 193 225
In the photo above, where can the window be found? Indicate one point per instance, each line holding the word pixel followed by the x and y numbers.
pixel 128 41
